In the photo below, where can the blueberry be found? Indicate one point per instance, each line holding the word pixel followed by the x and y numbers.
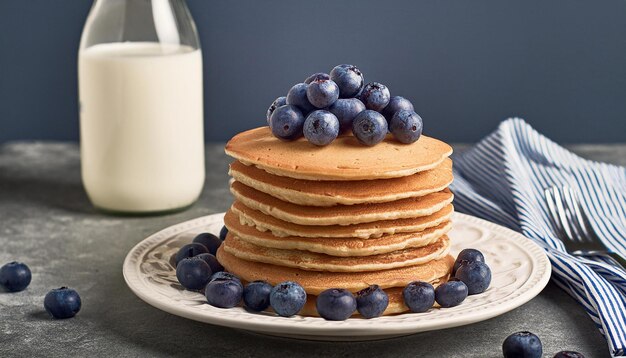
pixel 349 79
pixel 451 293
pixel 419 296
pixel 15 276
pixel 193 273
pixel 223 292
pixel 62 302
pixel 190 250
pixel 210 241
pixel 223 275
pixel 286 122
pixel 396 103
pixel 278 102
pixel 522 345
pixel 406 126
pixel 372 301
pixel 211 260
pixel 316 76
pixel 223 233
pixel 476 276
pixel 375 96
pixel 335 304
pixel 322 93
pixel 369 127
pixel 321 127
pixel 297 97
pixel 568 354
pixel 287 298
pixel 346 109
pixel 256 295
pixel 469 255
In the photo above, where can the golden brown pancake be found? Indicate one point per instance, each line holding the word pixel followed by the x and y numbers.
pixel 282 228
pixel 340 214
pixel 312 261
pixel 351 246
pixel 329 193
pixel 314 282
pixel 344 159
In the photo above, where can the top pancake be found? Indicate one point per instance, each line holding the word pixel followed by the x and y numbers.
pixel 344 159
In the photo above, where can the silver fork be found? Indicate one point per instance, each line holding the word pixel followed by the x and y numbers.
pixel 573 227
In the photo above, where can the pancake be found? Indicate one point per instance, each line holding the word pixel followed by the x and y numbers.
pixel 340 214
pixel 335 246
pixel 311 261
pixel 329 193
pixel 314 282
pixel 344 159
pixel 281 228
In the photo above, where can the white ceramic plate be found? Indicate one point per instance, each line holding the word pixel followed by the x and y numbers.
pixel 520 270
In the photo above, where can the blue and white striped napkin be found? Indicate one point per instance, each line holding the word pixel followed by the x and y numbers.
pixel 502 179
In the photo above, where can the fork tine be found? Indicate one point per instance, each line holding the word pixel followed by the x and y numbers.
pixel 562 215
pixel 574 215
pixel 553 215
pixel 585 219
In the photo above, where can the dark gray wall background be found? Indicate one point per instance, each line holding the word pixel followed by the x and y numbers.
pixel 560 64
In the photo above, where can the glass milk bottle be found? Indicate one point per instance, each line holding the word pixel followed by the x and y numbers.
pixel 141 120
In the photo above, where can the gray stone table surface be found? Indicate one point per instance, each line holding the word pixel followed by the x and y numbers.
pixel 47 222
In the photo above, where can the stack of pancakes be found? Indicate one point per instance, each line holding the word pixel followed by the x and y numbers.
pixel 340 216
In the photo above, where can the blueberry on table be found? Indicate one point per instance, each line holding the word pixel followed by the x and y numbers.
pixel 190 250
pixel 419 296
pixel 223 292
pixel 193 273
pixel 451 293
pixel 278 102
pixel 335 304
pixel 62 302
pixel 322 93
pixel 321 127
pixel 372 301
pixel 568 354
pixel 406 126
pixel 223 233
pixel 287 122
pixel 476 276
pixel 297 97
pixel 369 127
pixel 287 298
pixel 210 241
pixel 523 345
pixel 375 96
pixel 346 109
pixel 349 79
pixel 256 295
pixel 469 255
pixel 317 76
pixel 15 276
pixel 212 261
pixel 396 103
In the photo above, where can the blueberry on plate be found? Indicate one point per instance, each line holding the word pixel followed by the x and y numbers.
pixel 568 354
pixel 223 292
pixel 322 93
pixel 286 122
pixel 317 76
pixel 369 127
pixel 287 298
pixel 210 241
pixel 223 233
pixel 278 102
pixel 193 273
pixel 335 304
pixel 321 127
pixel 346 109
pixel 256 295
pixel 190 250
pixel 419 296
pixel 62 302
pixel 469 255
pixel 372 301
pixel 15 276
pixel 451 293
pixel 297 97
pixel 406 126
pixel 523 345
pixel 476 276
pixel 212 261
pixel 375 96
pixel 396 103
pixel 349 79
pixel 223 275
